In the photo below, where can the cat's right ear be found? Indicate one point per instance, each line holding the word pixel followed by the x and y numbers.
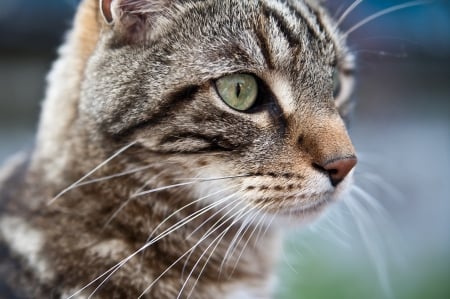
pixel 132 19
pixel 107 11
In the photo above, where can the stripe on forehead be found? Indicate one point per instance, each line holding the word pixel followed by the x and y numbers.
pixel 302 11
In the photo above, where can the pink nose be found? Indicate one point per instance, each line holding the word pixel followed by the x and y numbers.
pixel 339 169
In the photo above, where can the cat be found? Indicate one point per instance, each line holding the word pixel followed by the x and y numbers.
pixel 195 132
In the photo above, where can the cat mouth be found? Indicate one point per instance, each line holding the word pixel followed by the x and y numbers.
pixel 316 204
pixel 311 205
pixel 312 208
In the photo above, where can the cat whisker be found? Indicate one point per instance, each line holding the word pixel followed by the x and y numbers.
pixel 335 233
pixel 212 226
pixel 217 240
pixel 74 185
pixel 238 218
pixel 191 204
pixel 117 175
pixel 213 179
pixel 337 229
pixel 380 53
pixel 162 189
pixel 195 181
pixel 261 220
pixel 383 13
pixel 369 199
pixel 364 224
pixel 151 179
pixel 287 263
pixel 111 271
pixel 244 247
pixel 193 248
pixel 347 12
pixel 264 228
pixel 209 218
pixel 234 242
pixel 239 236
pixel 124 204
pixel 162 235
pixel 393 192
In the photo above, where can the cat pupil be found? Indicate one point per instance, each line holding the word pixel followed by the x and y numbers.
pixel 238 90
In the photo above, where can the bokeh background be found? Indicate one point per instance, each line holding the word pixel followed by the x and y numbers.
pixel 392 237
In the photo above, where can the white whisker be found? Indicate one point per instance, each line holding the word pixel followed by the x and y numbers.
pixel 162 189
pixel 288 264
pixel 347 12
pixel 108 273
pixel 194 203
pixel 370 200
pixel 217 240
pixel 74 185
pixel 124 204
pixel 186 253
pixel 117 175
pixel 195 181
pixel 246 243
pixel 384 12
pixel 213 179
pixel 214 225
pixel 391 190
pixel 234 242
pixel 212 216
pixel 364 223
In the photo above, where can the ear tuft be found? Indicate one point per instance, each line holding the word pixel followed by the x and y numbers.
pixel 131 18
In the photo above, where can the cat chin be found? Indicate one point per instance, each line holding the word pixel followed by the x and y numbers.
pixel 304 214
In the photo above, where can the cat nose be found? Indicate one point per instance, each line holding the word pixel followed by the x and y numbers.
pixel 339 169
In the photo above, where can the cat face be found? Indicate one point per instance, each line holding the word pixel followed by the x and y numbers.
pixel 251 97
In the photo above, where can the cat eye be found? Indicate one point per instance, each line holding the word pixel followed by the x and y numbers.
pixel 239 91
pixel 336 83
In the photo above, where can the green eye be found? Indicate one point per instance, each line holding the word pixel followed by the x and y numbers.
pixel 336 83
pixel 239 91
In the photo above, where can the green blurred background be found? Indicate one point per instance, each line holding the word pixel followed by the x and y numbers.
pixel 394 244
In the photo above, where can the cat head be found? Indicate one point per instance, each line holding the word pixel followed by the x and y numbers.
pixel 248 95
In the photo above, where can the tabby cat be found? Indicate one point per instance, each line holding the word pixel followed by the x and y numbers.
pixel 195 131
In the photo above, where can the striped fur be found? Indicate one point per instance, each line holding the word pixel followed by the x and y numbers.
pixel 131 108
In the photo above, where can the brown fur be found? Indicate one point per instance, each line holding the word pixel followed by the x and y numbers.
pixel 144 83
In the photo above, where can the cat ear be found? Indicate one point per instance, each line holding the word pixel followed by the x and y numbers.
pixel 131 19
pixel 106 9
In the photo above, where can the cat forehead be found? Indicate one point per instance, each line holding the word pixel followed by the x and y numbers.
pixel 293 15
pixel 264 29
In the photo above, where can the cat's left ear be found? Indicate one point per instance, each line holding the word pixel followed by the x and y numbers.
pixel 132 19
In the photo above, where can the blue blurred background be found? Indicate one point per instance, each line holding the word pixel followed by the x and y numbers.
pixel 394 244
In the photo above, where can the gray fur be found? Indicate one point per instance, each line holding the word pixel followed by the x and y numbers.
pixel 144 83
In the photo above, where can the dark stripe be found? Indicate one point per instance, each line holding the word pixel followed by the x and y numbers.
pixel 173 103
pixel 294 10
pixel 263 44
pixel 318 18
pixel 282 26
pixel 274 108
pixel 319 21
pixel 215 142
pixel 316 14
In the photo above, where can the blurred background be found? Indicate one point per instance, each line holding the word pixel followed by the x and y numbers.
pixel 391 238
